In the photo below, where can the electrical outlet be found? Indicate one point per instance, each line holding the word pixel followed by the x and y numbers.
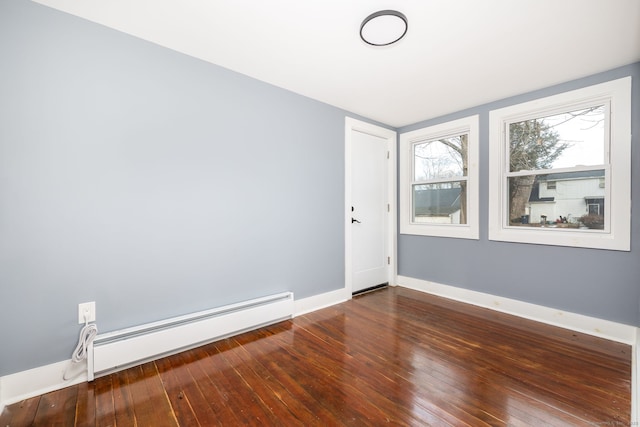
pixel 88 308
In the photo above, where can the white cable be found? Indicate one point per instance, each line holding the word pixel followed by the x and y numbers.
pixel 87 334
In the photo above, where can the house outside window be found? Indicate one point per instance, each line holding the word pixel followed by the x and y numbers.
pixel 560 169
pixel 439 180
pixel 568 200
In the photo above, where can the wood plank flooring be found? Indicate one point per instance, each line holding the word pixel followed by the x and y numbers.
pixel 389 357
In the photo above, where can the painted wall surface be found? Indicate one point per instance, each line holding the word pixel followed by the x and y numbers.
pixel 150 182
pixel 598 283
pixel 156 184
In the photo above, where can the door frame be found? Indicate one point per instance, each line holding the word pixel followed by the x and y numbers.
pixel 391 137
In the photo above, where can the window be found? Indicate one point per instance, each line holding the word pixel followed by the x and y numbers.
pixel 439 180
pixel 560 171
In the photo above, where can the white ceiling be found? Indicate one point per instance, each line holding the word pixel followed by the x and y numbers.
pixel 456 54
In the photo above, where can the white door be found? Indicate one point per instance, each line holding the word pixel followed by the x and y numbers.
pixel 370 216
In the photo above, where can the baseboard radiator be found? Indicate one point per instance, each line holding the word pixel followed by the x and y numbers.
pixel 114 351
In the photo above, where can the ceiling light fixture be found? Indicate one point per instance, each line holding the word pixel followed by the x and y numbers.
pixel 383 28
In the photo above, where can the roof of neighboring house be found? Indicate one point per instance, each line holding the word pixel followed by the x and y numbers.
pixel 443 201
pixel 571 175
pixel 535 193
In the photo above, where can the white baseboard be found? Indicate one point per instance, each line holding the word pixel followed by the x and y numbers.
pixel 316 302
pixel 44 379
pixel 576 322
pixel 37 381
pixel 618 332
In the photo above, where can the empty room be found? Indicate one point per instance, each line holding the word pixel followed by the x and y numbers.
pixel 319 213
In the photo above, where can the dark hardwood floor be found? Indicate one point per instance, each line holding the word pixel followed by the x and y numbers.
pixel 389 357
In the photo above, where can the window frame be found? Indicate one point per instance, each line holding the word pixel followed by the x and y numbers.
pixel 616 234
pixel 467 125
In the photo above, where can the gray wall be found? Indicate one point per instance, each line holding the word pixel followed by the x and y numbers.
pixel 156 184
pixel 598 283
pixel 150 182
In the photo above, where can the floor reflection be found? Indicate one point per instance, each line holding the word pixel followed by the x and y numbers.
pixel 393 356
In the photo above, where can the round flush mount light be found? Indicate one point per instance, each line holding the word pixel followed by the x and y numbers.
pixel 383 28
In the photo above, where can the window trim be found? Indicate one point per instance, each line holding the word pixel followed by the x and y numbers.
pixel 468 125
pixel 618 169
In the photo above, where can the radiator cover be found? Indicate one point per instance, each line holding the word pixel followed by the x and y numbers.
pixel 114 351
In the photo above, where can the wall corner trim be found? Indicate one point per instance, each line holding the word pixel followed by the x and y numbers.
pixel 635 381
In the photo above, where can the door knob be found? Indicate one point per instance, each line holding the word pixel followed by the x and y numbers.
pixel 354 220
